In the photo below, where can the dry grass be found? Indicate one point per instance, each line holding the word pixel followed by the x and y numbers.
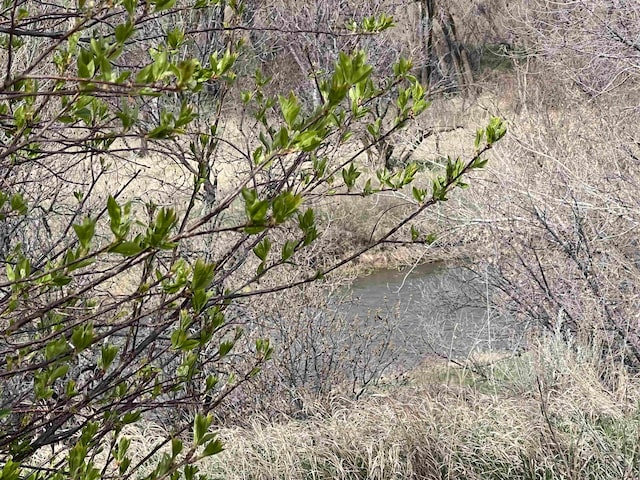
pixel 546 414
pixel 542 415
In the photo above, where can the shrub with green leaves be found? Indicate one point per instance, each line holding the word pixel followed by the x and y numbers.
pixel 117 302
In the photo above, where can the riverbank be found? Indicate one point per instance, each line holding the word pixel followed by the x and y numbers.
pixel 544 414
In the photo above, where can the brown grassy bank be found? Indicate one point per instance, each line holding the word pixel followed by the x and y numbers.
pixel 542 415
pixel 546 414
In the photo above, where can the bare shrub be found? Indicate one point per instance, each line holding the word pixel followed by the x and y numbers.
pixel 320 351
pixel 590 44
pixel 560 226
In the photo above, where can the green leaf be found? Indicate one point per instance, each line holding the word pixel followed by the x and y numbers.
pixel 175 37
pixel 320 166
pixel 123 447
pixel 262 249
pixel 415 233
pixel 190 471
pixel 130 6
pixel 264 348
pixel 55 349
pixel 309 141
pixel 58 372
pixel 11 470
pixel 108 355
pixel 18 204
pixel 254 229
pixel 374 128
pixel 61 280
pixel 86 64
pixel 164 5
pixel 402 67
pixel 131 417
pixel 23 267
pixel 158 232
pixel 290 109
pixel 350 175
pixel 145 75
pixel 256 209
pixel 258 155
pixel 211 382
pixel 185 116
pixel 70 389
pixel 479 137
pixel 225 348
pixel 121 454
pixel 201 424
pixel 367 189
pixel 249 195
pixel 176 447
pixel 84 114
pixel 123 31
pixel 419 194
pixel 124 465
pixel 495 130
pixel 41 386
pixel 284 206
pixel 288 249
pixel 203 274
pixel 178 337
pixel 82 337
pixel 480 162
pixel 282 139
pixel 115 215
pixel 78 264
pixel 306 222
pixel 199 299
pixel 85 232
pixel 11 273
pixel 128 249
pixel 213 448
pixel 408 174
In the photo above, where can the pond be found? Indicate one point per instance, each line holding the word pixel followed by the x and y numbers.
pixel 435 308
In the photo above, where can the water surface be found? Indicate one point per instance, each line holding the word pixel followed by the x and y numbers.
pixel 435 308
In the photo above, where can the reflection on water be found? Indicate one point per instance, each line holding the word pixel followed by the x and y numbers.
pixel 437 309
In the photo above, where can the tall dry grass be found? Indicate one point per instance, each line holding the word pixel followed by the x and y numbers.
pixel 545 414
pixel 554 412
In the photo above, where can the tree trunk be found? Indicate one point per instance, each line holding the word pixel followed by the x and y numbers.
pixel 458 56
pixel 427 13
